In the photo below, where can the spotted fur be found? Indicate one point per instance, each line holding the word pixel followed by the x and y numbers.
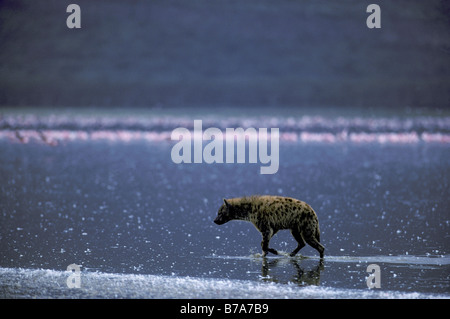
pixel 270 214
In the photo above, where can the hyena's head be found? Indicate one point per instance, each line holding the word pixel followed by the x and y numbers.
pixel 224 214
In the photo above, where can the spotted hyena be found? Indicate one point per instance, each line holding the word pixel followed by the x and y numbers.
pixel 270 214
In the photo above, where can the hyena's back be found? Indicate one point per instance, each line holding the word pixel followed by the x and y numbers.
pixel 284 213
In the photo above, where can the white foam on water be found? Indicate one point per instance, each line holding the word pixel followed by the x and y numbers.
pixel 43 283
pixel 403 259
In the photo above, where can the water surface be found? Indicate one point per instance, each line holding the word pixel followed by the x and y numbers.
pixel 121 206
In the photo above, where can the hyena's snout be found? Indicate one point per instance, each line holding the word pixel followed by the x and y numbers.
pixel 219 220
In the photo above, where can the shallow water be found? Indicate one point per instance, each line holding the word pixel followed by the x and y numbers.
pixel 121 206
pixel 42 283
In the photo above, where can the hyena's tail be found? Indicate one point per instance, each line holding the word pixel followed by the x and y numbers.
pixel 318 234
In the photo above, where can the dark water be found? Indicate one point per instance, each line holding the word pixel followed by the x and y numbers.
pixel 125 207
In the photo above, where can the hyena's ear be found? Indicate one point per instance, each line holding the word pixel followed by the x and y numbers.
pixel 226 203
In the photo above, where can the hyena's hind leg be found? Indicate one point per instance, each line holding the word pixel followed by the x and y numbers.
pixel 314 243
pixel 311 234
pixel 301 243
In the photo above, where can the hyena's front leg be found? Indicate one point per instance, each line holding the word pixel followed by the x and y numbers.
pixel 301 243
pixel 267 235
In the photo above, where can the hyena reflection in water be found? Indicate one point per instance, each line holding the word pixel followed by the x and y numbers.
pixel 302 277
